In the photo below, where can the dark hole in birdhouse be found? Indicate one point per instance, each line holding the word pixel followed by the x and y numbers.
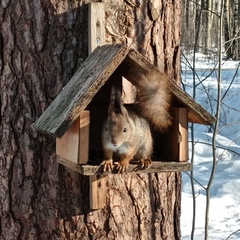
pixel 166 147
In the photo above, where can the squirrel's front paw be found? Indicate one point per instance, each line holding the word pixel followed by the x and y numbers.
pixel 107 165
pixel 145 163
pixel 122 166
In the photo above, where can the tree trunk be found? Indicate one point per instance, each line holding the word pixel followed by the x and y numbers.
pixel 188 28
pixel 236 30
pixel 228 28
pixel 231 28
pixel 42 44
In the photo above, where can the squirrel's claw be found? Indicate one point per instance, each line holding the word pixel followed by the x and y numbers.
pixel 121 166
pixel 145 163
pixel 107 165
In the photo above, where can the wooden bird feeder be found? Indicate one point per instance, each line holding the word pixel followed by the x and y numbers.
pixel 76 116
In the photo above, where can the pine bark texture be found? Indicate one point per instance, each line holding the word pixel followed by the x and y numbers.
pixel 41 45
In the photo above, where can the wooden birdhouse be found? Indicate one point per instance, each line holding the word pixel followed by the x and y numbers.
pixel 77 114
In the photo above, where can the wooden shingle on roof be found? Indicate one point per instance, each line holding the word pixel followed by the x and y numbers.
pixel 79 91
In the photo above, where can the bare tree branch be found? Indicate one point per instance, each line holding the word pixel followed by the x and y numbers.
pixel 218 109
pixel 233 234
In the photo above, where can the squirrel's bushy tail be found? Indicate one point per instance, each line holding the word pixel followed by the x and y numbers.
pixel 154 99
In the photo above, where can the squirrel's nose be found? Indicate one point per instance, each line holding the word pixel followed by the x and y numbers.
pixel 114 143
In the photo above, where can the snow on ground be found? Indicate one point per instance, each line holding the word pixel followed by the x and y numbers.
pixel 224 218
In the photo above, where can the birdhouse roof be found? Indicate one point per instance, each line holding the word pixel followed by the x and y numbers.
pixel 92 75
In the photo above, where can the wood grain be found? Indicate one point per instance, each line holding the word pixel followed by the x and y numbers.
pixel 91 76
pixel 183 135
pixel 80 90
pixel 83 137
pixel 67 146
pixel 157 167
pixel 196 113
pixel 96 37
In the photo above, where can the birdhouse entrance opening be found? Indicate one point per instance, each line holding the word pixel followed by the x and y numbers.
pixel 82 143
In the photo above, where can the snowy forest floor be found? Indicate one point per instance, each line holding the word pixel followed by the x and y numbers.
pixel 224 216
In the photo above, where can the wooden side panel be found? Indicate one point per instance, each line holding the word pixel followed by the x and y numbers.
pixel 67 147
pixel 129 91
pixel 84 137
pixel 74 144
pixel 173 145
pixel 173 140
pixel 98 190
pixel 183 134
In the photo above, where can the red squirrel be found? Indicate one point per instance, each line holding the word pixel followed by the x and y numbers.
pixel 126 133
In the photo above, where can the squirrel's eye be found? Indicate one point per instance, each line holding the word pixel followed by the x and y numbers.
pixel 125 129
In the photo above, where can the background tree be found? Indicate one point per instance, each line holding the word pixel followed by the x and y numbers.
pixel 232 28
pixel 217 105
pixel 205 14
pixel 42 44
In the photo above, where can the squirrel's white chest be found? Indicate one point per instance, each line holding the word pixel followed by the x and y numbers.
pixel 121 149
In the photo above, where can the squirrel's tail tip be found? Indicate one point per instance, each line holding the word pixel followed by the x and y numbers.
pixel 163 123
pixel 161 120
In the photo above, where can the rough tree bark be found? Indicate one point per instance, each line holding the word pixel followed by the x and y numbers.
pixel 41 44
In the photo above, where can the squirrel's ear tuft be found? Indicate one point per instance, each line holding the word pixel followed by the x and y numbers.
pixel 116 101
